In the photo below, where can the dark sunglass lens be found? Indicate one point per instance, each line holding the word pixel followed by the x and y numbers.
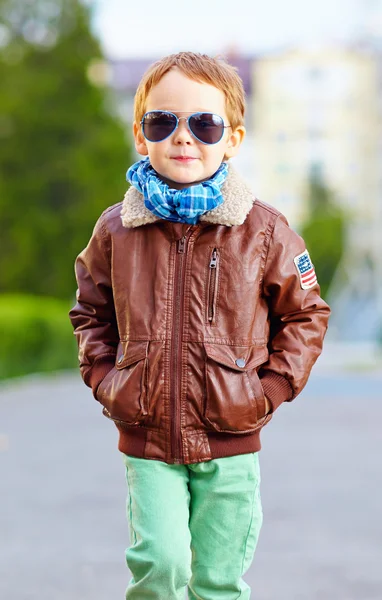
pixel 208 128
pixel 158 125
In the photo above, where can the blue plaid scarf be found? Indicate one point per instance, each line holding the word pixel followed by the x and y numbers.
pixel 180 206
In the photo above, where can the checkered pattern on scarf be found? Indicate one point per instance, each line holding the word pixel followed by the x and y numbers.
pixel 184 206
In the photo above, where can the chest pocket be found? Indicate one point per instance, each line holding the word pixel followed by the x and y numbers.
pixel 212 287
pixel 234 397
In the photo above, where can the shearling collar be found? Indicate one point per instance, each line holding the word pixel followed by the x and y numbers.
pixel 238 201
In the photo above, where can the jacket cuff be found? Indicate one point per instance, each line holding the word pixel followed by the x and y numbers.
pixel 99 370
pixel 276 388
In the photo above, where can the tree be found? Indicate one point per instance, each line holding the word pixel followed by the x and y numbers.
pixel 324 232
pixel 63 153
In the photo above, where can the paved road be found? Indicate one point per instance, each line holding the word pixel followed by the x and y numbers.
pixel 62 519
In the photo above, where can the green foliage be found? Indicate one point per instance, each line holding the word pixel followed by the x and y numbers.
pixel 324 233
pixel 63 154
pixel 36 335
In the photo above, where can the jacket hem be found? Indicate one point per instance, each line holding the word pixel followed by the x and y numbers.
pixel 222 445
pixel 132 442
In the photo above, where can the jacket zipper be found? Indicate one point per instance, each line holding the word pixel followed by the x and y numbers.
pixel 176 346
pixel 212 287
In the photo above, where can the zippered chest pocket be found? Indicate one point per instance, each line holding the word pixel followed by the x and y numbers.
pixel 212 287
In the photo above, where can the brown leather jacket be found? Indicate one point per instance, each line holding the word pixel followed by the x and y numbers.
pixel 182 329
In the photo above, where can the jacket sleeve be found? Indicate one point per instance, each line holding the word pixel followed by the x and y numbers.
pixel 298 318
pixel 93 316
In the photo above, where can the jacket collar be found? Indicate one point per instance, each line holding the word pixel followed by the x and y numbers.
pixel 238 201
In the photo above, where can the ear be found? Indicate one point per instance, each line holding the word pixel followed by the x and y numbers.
pixel 234 141
pixel 140 141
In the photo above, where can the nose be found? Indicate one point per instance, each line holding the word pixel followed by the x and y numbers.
pixel 182 134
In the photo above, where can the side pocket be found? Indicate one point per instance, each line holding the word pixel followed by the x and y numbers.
pixel 234 401
pixel 104 383
pixel 123 392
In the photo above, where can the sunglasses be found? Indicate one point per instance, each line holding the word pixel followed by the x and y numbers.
pixel 208 128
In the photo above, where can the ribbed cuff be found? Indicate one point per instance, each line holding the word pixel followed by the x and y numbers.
pixel 99 370
pixel 276 388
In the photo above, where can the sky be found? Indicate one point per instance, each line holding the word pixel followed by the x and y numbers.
pixel 155 27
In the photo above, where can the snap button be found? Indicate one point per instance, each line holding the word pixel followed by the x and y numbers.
pixel 240 362
pixel 120 359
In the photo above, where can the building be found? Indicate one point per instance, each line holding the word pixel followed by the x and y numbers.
pixel 317 113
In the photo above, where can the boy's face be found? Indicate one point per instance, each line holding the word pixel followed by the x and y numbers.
pixel 181 160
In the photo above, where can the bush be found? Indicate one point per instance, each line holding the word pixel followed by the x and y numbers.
pixel 36 335
pixel 324 233
pixel 324 236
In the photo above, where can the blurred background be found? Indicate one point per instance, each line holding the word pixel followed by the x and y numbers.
pixel 68 73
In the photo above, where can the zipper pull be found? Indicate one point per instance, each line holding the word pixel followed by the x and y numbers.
pixel 182 241
pixel 214 259
pixel 182 245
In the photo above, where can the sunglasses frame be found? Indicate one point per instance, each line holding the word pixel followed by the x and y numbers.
pixel 167 112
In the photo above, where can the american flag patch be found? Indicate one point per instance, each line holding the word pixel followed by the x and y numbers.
pixel 305 270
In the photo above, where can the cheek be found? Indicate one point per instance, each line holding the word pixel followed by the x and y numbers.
pixel 158 150
pixel 215 154
pixel 158 157
pixel 154 155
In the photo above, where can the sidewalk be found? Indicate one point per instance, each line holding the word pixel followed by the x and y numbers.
pixel 62 517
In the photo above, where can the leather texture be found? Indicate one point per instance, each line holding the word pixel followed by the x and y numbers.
pixel 183 329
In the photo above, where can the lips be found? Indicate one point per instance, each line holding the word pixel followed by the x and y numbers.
pixel 184 159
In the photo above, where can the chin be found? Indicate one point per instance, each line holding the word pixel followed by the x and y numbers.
pixel 188 178
pixel 181 178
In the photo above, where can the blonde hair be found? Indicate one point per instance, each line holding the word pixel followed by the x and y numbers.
pixel 201 68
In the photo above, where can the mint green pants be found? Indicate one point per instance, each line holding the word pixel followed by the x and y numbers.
pixel 192 526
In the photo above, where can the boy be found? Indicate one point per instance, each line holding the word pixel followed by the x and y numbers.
pixel 198 313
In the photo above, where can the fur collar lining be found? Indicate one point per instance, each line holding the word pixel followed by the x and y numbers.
pixel 238 201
